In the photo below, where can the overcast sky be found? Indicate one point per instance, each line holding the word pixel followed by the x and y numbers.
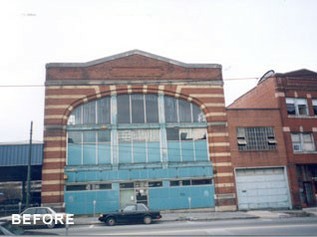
pixel 247 38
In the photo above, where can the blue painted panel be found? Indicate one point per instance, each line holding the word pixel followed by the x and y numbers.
pixel 81 202
pixel 104 154
pixel 178 197
pixel 173 151
pixel 139 152
pixel 125 153
pixel 74 154
pixel 201 150
pixel 188 151
pixel 89 154
pixel 154 151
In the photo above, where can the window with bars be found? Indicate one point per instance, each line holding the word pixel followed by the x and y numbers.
pixel 256 138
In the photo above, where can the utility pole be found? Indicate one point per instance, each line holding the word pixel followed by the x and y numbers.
pixel 28 192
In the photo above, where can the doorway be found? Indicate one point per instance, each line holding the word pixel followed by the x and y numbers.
pixel 134 192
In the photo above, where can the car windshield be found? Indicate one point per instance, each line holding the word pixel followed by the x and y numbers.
pixel 13 228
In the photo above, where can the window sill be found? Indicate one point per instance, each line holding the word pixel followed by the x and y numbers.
pixel 305 152
pixel 302 116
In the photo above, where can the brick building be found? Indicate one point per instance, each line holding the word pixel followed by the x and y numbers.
pixel 136 127
pixel 273 132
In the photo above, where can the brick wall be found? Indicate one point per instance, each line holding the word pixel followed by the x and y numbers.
pixel 69 85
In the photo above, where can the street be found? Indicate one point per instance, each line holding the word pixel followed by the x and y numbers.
pixel 304 226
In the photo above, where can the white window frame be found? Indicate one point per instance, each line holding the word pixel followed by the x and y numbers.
pixel 314 102
pixel 297 102
pixel 300 145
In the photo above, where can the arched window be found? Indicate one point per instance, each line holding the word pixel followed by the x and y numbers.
pixel 136 128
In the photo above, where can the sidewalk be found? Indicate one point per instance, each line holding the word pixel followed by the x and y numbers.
pixel 210 214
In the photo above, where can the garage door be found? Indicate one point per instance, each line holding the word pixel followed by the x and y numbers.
pixel 262 188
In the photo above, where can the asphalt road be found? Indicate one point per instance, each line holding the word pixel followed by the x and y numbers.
pixel 304 226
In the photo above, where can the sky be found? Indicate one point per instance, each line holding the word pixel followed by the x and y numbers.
pixel 246 37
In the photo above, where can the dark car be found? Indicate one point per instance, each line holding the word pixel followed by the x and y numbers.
pixel 131 213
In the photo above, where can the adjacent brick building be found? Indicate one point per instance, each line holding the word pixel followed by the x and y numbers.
pixel 136 127
pixel 273 130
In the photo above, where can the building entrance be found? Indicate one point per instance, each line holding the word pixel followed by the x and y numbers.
pixel 134 192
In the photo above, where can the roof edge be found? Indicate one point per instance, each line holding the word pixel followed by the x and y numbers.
pixel 133 52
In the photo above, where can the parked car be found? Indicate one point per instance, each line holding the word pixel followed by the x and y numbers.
pixel 131 213
pixel 6 228
pixel 38 216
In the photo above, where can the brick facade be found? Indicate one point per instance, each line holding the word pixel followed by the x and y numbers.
pixel 70 85
pixel 265 105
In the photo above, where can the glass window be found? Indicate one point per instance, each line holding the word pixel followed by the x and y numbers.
pixel 103 110
pixel 256 138
pixel 89 113
pixel 290 104
pixel 123 108
pixel 93 144
pixel 302 106
pixel 296 106
pixel 315 106
pixel 201 181
pixel 185 114
pixel 303 142
pixel 125 146
pixel 170 104
pixel 80 187
pixel 155 184
pixel 151 109
pixel 104 147
pixel 137 101
pixel 74 148
pixel 175 183
pixel 89 148
pixel 198 115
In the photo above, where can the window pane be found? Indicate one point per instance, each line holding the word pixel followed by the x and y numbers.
pixel 307 138
pixel 89 113
pixel 315 107
pixel 153 145
pixel 139 146
pixel 295 137
pixel 290 104
pixel 184 111
pixel 170 109
pixel 291 109
pixel 302 110
pixel 151 109
pixel 198 115
pixel 89 147
pixel 200 142
pixel 123 109
pixel 125 149
pixel 103 108
pixel 187 145
pixel 137 108
pixel 201 182
pixel 74 151
pixel 173 144
pixel 104 147
pixel 75 117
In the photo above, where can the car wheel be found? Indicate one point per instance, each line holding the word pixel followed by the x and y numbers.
pixel 110 221
pixel 51 225
pixel 147 220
